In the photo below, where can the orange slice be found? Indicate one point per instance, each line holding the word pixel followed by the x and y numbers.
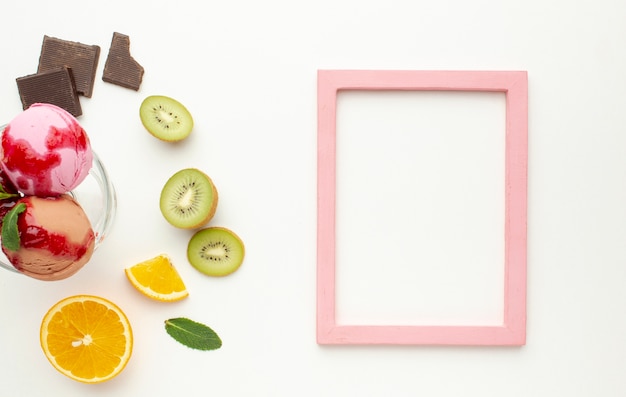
pixel 158 279
pixel 86 338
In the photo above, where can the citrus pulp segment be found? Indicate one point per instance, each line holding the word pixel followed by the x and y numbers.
pixel 157 278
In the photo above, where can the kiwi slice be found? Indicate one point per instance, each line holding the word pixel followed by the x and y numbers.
pixel 188 199
pixel 165 118
pixel 215 251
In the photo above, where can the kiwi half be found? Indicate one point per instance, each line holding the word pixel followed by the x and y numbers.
pixel 215 251
pixel 165 118
pixel 188 199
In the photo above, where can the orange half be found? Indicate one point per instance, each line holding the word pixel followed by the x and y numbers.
pixel 87 338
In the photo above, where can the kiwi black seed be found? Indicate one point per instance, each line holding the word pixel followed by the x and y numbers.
pixel 165 118
pixel 188 199
pixel 215 251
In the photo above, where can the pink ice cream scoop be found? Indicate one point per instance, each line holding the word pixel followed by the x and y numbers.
pixel 44 151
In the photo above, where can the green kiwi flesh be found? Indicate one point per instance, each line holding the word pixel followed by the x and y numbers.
pixel 188 199
pixel 215 251
pixel 165 118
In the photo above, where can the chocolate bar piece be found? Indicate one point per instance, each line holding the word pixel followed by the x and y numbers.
pixel 81 58
pixel 55 86
pixel 120 67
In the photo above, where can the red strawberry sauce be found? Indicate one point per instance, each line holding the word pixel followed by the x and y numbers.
pixel 19 155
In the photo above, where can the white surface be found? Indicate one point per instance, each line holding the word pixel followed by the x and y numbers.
pixel 246 70
pixel 420 208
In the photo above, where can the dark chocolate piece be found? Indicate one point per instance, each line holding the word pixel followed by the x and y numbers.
pixel 81 58
pixel 120 67
pixel 54 86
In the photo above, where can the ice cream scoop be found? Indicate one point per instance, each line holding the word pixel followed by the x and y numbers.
pixel 47 238
pixel 44 151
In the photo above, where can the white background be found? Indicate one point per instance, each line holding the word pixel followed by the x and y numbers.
pixel 247 71
pixel 420 207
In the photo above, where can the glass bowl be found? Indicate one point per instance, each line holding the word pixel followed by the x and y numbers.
pixel 96 194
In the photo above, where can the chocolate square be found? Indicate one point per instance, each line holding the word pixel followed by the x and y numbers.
pixel 54 86
pixel 81 58
pixel 120 67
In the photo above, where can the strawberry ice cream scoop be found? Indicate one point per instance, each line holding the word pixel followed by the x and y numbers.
pixel 44 151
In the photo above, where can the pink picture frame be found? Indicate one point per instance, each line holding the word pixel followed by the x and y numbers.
pixel 514 84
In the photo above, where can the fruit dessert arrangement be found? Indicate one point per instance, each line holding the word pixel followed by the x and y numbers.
pixel 45 234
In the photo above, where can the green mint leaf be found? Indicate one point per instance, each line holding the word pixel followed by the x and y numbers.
pixel 192 334
pixel 6 195
pixel 10 233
